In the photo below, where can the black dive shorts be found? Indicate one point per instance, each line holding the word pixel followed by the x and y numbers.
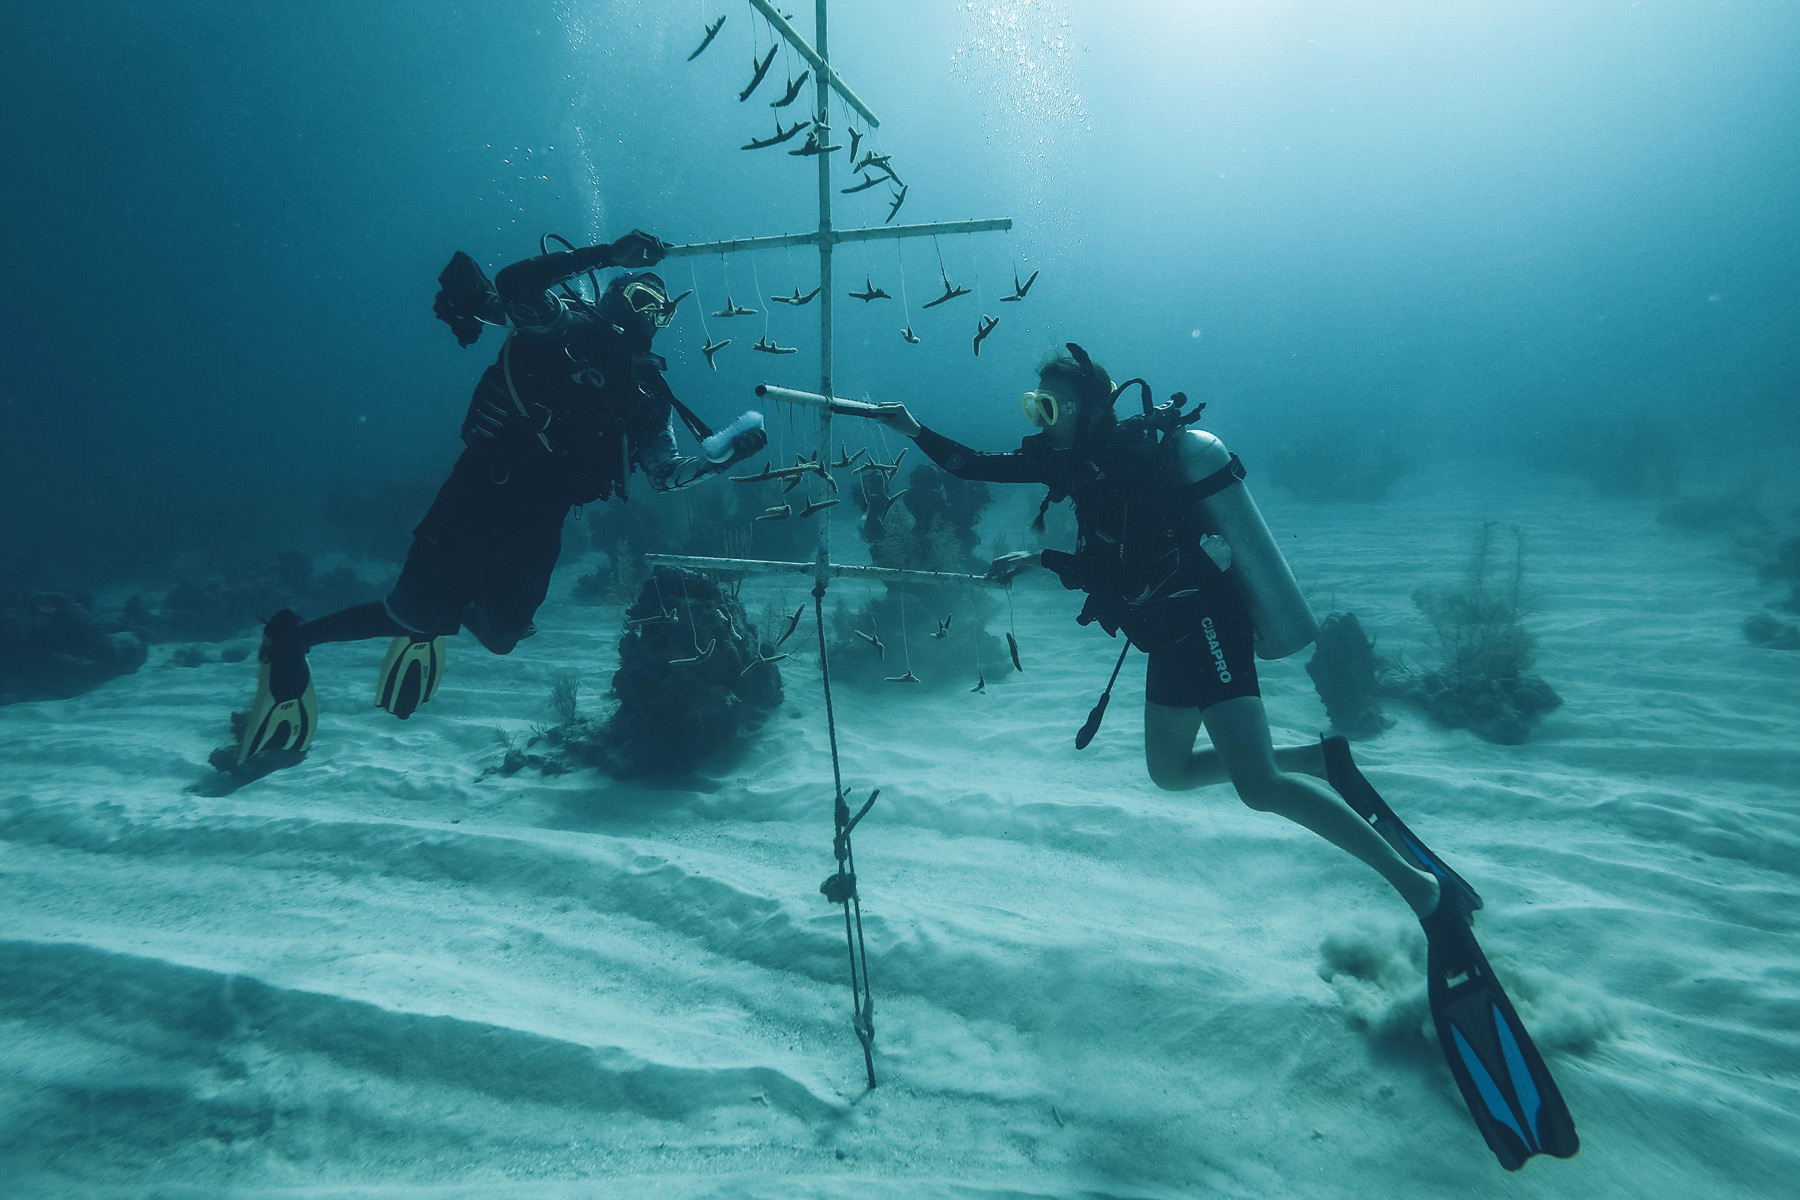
pixel 481 557
pixel 1213 659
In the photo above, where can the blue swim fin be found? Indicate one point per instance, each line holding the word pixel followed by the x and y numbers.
pixel 1510 1093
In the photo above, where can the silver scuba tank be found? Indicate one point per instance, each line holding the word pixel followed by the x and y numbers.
pixel 1284 623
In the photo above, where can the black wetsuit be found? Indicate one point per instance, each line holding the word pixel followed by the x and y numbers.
pixel 573 403
pixel 1138 554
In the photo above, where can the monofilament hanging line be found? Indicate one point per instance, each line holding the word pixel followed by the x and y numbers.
pixel 693 625
pixel 699 302
pixel 905 650
pixel 841 887
pixel 905 307
pixel 756 282
pixel 980 671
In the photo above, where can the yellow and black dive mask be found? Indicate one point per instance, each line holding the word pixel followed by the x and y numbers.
pixel 648 300
pixel 1042 409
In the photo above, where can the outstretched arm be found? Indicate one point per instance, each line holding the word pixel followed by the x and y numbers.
pixel 1010 466
pixel 964 463
pixel 525 285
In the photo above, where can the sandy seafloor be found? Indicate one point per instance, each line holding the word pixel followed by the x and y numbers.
pixel 383 973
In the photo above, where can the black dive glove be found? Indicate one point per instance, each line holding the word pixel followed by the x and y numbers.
pixel 1068 568
pixel 636 250
pixel 465 299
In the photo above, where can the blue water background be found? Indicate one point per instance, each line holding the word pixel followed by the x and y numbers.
pixel 1473 229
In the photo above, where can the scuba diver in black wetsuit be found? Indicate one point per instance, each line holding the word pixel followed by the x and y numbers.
pixel 1155 502
pixel 574 402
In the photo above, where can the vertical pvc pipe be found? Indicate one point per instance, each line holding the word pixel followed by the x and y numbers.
pixel 829 294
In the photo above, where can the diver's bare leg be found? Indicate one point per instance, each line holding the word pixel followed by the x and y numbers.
pixel 1239 730
pixel 1176 766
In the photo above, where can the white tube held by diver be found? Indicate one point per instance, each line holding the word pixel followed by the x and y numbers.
pixel 718 447
pixel 1284 623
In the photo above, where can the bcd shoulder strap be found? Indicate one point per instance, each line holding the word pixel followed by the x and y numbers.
pixel 651 376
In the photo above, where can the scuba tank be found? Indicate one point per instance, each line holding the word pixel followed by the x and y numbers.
pixel 1284 623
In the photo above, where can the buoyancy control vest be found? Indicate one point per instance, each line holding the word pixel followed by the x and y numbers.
pixel 564 411
pixel 1145 537
pixel 568 411
pixel 1139 551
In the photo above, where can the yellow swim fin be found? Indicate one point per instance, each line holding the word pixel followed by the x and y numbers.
pixel 410 674
pixel 285 713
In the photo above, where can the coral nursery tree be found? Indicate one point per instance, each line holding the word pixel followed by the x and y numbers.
pixel 937 632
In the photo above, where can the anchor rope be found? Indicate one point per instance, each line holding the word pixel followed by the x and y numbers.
pixel 844 881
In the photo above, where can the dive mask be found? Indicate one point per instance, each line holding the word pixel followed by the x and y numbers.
pixel 649 301
pixel 1042 409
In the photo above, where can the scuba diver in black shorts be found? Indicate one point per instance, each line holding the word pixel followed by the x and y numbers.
pixel 574 403
pixel 1172 551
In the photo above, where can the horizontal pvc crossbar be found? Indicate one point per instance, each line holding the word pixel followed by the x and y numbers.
pixel 754 566
pixel 834 236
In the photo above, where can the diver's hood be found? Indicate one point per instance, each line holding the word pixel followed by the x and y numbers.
pixel 614 308
pixel 1095 400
